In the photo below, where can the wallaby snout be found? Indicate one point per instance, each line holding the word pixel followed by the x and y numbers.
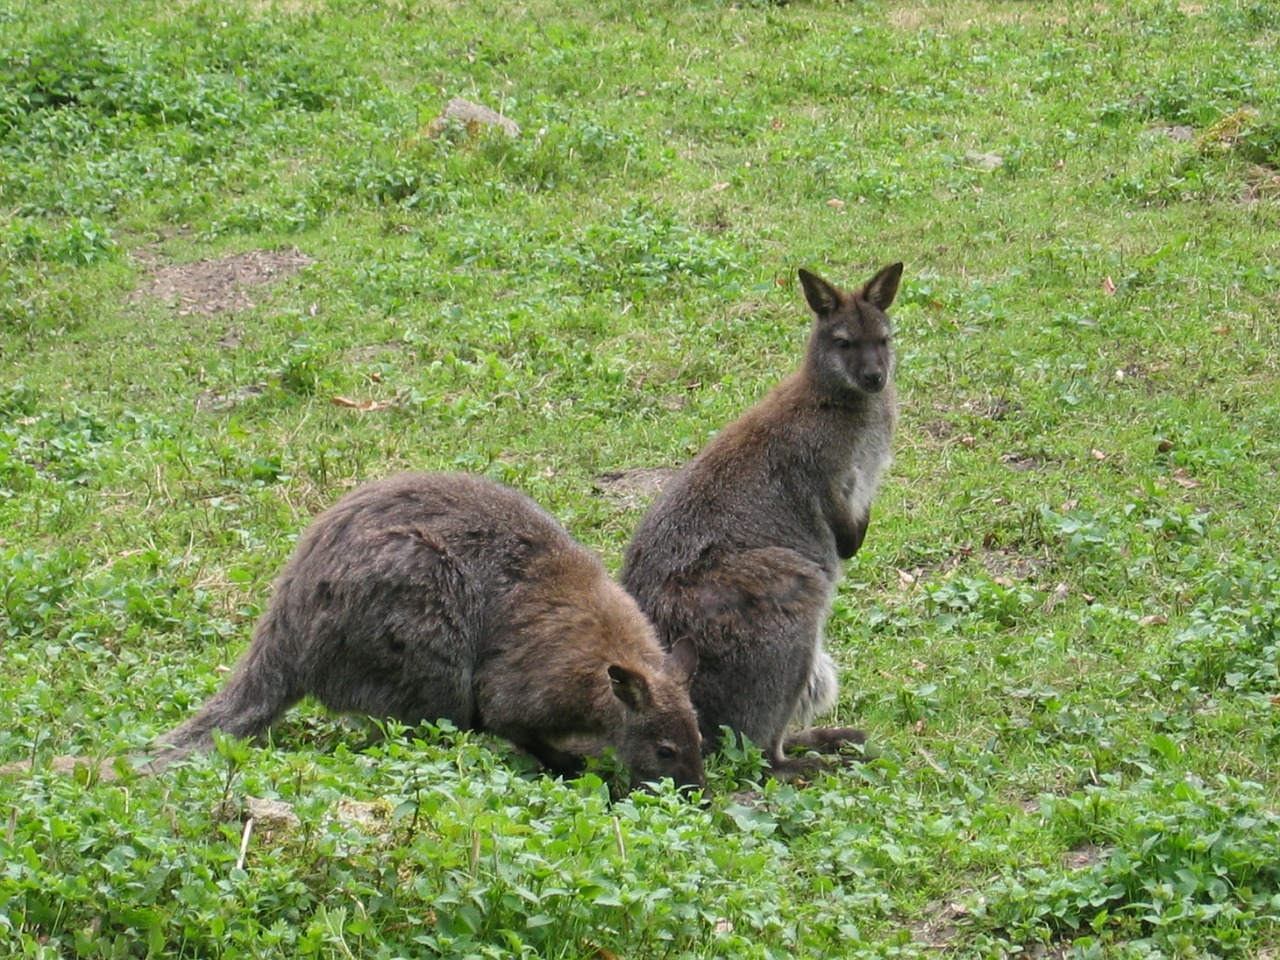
pixel 872 379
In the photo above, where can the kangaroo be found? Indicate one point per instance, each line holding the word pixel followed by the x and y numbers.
pixel 427 596
pixel 741 552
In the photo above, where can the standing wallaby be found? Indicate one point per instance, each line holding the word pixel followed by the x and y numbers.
pixel 742 551
pixel 427 596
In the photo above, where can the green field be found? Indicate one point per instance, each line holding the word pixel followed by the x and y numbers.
pixel 241 272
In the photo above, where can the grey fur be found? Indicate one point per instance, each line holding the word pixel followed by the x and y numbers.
pixel 428 596
pixel 742 550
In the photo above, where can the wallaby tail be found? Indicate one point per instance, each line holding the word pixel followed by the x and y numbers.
pixel 255 696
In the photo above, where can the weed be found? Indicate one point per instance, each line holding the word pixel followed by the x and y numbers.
pixel 1060 634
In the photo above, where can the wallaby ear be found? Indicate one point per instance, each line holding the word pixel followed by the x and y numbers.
pixel 682 661
pixel 881 289
pixel 631 688
pixel 824 299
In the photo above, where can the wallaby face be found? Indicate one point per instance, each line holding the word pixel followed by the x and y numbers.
pixel 428 596
pixel 741 552
pixel 660 737
pixel 851 344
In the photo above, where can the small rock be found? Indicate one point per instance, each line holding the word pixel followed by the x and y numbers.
pixel 984 161
pixel 271 815
pixel 473 116
pixel 1179 132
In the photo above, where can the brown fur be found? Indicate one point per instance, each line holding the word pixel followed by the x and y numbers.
pixel 742 550
pixel 428 596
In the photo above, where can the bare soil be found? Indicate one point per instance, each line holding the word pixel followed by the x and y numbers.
pixel 220 284
pixel 634 488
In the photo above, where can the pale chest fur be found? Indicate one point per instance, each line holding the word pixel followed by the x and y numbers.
pixel 862 481
pixel 871 455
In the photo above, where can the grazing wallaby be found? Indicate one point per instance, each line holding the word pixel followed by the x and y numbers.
pixel 741 552
pixel 427 596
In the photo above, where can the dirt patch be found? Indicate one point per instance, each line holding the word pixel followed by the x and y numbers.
pixel 907 18
pixel 1083 857
pixel 1021 463
pixel 1005 565
pixel 634 488
pixel 262 7
pixel 991 408
pixel 212 401
pixel 960 16
pixel 939 928
pixel 222 284
pixel 1261 183
pixel 1008 564
pixel 474 116
pixel 939 429
pixel 1179 132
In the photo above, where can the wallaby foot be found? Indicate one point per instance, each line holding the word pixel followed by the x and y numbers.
pixel 824 739
pixel 796 768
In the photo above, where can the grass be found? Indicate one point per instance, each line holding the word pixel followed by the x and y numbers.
pixel 1061 634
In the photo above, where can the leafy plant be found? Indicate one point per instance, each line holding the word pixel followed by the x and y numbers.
pixel 1059 636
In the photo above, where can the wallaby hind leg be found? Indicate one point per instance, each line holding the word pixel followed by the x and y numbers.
pixel 826 740
pixel 756 618
pixel 791 768
pixel 820 695
pixel 400 642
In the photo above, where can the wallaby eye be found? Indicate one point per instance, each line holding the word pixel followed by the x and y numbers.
pixel 884 341
pixel 842 342
pixel 666 751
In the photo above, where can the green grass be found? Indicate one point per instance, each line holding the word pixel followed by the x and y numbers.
pixel 1061 634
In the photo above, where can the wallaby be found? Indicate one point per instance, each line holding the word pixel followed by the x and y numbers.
pixel 428 596
pixel 741 552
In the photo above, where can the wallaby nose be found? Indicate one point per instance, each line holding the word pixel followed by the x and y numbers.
pixel 872 380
